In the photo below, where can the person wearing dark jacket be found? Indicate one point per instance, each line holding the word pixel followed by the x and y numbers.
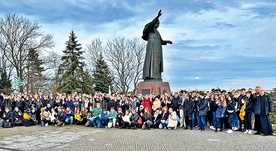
pixel 134 119
pixel 18 103
pixel 213 109
pixel 147 119
pixel 188 110
pixel 175 100
pixel 60 118
pixel 263 108
pixel 230 112
pixel 202 108
pixel 156 118
pixel 7 103
pixel 165 116
pixel 248 113
pixel 8 116
pixel 221 110
pixel 242 98
pixel 18 116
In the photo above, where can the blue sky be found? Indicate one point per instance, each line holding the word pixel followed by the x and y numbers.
pixel 230 44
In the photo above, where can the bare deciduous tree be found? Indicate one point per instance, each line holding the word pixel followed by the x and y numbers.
pixel 93 51
pixel 17 36
pixel 126 58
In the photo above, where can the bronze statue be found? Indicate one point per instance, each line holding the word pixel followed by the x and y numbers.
pixel 153 65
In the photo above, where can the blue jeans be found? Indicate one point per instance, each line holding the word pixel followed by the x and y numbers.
pixel 215 121
pixel 163 124
pixel 235 121
pixel 230 120
pixel 202 122
pixel 70 119
pixel 195 118
pixel 104 121
pixel 95 120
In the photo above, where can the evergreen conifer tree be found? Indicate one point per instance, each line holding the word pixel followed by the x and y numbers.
pixel 72 77
pixel 5 83
pixel 102 78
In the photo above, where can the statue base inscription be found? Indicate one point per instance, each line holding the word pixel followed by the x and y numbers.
pixel 153 87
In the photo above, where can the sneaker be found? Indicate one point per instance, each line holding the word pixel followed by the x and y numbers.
pixel 46 124
pixel 249 132
pixel 211 127
pixel 218 129
pixel 246 131
pixel 229 131
pixel 235 129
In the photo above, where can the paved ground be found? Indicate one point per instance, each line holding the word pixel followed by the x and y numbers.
pixel 83 138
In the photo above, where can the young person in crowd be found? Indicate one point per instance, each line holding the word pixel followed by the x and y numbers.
pixel 157 118
pixel 220 113
pixel 248 113
pixel 104 118
pixel 134 119
pixel 164 119
pixel 18 116
pixel 119 118
pixel 61 116
pixel 126 120
pixel 45 117
pixel 53 116
pixel 188 110
pixel 147 119
pixel 172 120
pixel 8 116
pixel 147 103
pixel 69 115
pixel 181 108
pixel 202 108
pixel 112 118
pixel 96 119
pixel 230 112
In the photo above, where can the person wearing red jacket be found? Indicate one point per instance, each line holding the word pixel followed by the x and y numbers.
pixel 147 103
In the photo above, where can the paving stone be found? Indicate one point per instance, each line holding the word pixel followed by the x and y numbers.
pixel 85 138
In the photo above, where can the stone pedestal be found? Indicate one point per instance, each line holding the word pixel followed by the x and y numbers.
pixel 153 87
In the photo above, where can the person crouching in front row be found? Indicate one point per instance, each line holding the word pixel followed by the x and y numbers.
pixel 147 119
pixel 172 120
pixel 97 113
pixel 112 118
pixel 60 118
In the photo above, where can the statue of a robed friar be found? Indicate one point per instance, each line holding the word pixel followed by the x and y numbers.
pixel 153 65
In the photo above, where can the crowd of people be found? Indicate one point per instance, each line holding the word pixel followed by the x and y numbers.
pixel 220 110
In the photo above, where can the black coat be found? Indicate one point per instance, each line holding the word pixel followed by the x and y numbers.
pixel 188 108
pixel 249 106
pixel 164 116
pixel 267 101
pixel 8 116
pixel 175 102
